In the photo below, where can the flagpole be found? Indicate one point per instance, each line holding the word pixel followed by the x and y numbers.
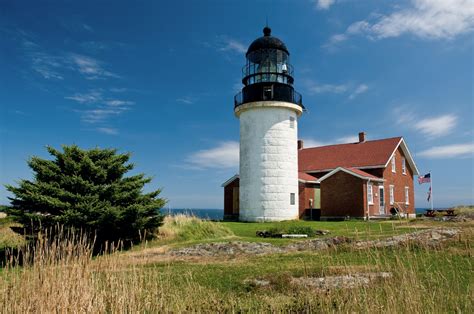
pixel 431 188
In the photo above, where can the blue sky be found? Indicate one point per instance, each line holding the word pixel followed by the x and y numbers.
pixel 158 78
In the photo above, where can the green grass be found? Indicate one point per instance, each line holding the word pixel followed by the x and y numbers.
pixel 425 279
pixel 352 228
pixel 433 280
pixel 8 238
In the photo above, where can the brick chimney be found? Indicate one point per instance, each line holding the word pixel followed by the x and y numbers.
pixel 361 137
pixel 300 144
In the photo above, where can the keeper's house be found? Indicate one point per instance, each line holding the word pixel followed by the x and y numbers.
pixel 360 180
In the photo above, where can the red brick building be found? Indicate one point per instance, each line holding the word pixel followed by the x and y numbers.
pixel 362 179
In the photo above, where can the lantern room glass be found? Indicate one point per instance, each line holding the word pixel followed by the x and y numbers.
pixel 268 65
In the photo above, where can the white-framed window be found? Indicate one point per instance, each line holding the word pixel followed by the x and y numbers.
pixel 404 166
pixel 370 194
pixel 292 122
pixel 392 195
pixel 407 195
pixel 292 199
pixel 393 164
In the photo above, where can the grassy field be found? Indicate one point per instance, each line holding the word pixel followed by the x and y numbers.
pixel 66 278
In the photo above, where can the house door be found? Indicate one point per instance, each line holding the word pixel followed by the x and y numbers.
pixel 381 200
pixel 235 200
pixel 317 198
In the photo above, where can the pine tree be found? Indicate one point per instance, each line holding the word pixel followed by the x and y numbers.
pixel 87 190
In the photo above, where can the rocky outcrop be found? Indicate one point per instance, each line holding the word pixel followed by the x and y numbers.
pixel 430 237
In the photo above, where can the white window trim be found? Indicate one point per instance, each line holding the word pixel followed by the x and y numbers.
pixel 407 195
pixel 370 199
pixel 392 194
pixel 292 198
pixel 404 166
pixel 394 164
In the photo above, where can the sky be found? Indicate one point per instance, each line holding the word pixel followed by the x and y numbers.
pixel 157 79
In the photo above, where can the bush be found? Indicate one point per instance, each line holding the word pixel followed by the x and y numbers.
pixel 301 230
pixel 275 231
pixel 86 190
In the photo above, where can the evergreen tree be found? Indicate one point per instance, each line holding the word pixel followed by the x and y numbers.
pixel 88 190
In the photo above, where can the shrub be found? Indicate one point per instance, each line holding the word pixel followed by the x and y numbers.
pixel 87 190
pixel 301 230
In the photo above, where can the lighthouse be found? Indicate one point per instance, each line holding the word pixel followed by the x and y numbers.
pixel 268 109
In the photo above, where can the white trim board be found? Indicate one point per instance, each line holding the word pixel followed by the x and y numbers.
pixel 408 156
pixel 349 172
pixel 230 180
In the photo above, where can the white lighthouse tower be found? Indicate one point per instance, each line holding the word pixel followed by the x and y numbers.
pixel 268 109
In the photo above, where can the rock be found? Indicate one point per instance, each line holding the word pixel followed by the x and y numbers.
pixel 321 232
pixel 430 237
pixel 257 282
pixel 340 282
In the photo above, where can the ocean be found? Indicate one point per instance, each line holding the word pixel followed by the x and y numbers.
pixel 203 213
pixel 218 214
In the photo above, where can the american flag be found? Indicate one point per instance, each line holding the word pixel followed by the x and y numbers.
pixel 429 194
pixel 425 179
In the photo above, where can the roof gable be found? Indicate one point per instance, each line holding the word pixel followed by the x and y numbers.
pixel 411 162
pixel 352 171
pixel 306 178
pixel 230 180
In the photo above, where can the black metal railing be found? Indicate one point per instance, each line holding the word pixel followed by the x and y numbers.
pixel 294 98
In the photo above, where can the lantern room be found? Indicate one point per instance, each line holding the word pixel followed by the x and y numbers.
pixel 268 73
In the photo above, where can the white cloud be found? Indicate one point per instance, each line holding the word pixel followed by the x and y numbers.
pixel 327 88
pixel 117 102
pixel 309 142
pixel 100 109
pixel 362 88
pixel 109 131
pixel 91 68
pixel 188 100
pixel 436 126
pixel 99 115
pixel 46 65
pixel 449 151
pixel 324 4
pixel 87 27
pixel 86 98
pixel 225 155
pixel 348 139
pixel 334 40
pixel 427 19
pixel 316 88
pixel 230 44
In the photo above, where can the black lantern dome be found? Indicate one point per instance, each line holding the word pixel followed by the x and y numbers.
pixel 267 41
pixel 268 74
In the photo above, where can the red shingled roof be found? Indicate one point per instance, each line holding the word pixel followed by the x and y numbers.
pixel 352 171
pixel 306 177
pixel 365 154
pixel 362 173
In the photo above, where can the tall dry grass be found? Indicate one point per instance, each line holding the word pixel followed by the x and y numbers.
pixel 61 275
pixel 184 227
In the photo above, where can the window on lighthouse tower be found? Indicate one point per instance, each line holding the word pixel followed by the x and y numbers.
pixel 268 92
